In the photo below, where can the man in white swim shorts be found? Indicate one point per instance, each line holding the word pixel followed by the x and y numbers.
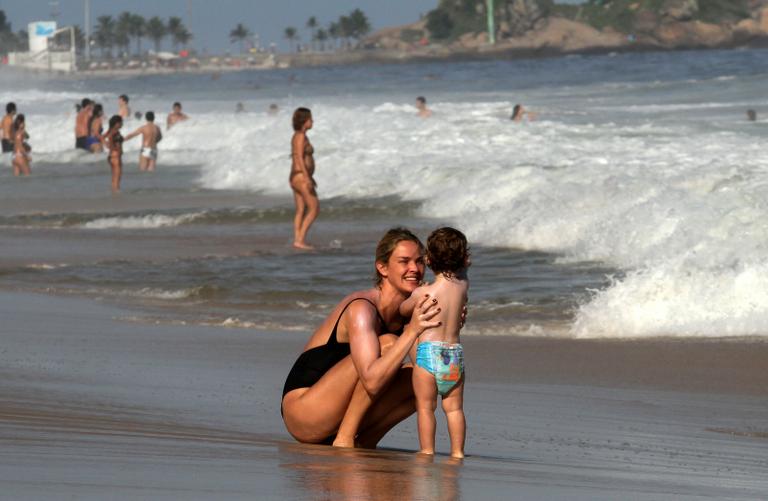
pixel 151 135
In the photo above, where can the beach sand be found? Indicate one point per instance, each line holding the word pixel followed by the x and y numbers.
pixel 94 406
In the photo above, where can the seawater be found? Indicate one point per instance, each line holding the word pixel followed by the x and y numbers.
pixel 634 205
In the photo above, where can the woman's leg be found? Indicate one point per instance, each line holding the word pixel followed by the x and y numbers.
pixel 313 414
pixel 359 404
pixel 115 163
pixel 313 209
pixel 300 208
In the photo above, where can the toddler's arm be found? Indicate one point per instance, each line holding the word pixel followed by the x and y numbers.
pixel 407 306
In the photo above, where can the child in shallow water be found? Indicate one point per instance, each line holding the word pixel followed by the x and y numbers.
pixel 438 354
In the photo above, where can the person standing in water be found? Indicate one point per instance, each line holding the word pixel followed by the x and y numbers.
pixel 114 142
pixel 150 136
pixel 301 179
pixel 20 148
pixel 95 128
pixel 81 124
pixel 7 127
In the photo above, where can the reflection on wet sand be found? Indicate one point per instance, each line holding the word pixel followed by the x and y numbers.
pixel 353 474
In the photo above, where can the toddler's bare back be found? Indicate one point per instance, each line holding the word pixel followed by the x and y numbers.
pixel 451 295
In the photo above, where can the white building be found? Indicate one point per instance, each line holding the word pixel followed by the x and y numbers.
pixel 43 55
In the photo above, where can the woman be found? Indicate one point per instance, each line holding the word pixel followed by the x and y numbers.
pixel 95 128
pixel 349 386
pixel 114 142
pixel 20 148
pixel 301 180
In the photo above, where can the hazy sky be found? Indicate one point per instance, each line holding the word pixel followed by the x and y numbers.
pixel 210 21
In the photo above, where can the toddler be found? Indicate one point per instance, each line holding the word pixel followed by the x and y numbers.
pixel 439 356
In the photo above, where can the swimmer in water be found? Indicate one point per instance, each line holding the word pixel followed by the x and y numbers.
pixel 150 136
pixel 175 116
pixel 122 107
pixel 519 112
pixel 113 140
pixel 302 179
pixel 421 105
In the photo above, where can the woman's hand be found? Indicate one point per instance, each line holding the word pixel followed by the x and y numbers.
pixel 421 319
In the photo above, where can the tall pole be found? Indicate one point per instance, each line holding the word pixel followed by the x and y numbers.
pixel 491 24
pixel 87 30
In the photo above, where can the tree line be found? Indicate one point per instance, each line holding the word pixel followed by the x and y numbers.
pixel 10 41
pixel 118 33
pixel 341 32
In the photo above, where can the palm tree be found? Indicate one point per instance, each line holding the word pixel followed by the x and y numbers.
pixel 359 23
pixel 290 35
pixel 312 24
pixel 138 29
pixel 239 34
pixel 179 33
pixel 156 30
pixel 321 36
pixel 104 34
pixel 334 31
pixel 123 31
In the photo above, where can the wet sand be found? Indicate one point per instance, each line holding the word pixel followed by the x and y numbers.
pixel 95 407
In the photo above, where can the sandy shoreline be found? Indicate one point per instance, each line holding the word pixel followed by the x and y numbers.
pixel 93 406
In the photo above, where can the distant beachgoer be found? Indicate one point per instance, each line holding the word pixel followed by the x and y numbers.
pixel 95 128
pixel 81 124
pixel 421 105
pixel 175 116
pixel 150 136
pixel 137 115
pixel 273 109
pixel 114 142
pixel 239 108
pixel 519 112
pixel 7 127
pixel 350 385
pixel 751 115
pixel 122 107
pixel 438 353
pixel 20 148
pixel 301 179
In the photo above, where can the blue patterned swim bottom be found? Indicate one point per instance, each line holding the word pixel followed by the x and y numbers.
pixel 445 361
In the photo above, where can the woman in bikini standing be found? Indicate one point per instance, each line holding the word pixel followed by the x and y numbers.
pixel 20 155
pixel 349 386
pixel 301 179
pixel 114 142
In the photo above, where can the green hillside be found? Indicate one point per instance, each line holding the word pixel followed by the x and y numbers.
pixel 453 18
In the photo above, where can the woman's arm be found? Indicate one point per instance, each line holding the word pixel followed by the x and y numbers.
pixel 374 369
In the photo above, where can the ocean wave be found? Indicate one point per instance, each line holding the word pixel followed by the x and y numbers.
pixel 140 222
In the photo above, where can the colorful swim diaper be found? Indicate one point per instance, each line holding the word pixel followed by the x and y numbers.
pixel 443 360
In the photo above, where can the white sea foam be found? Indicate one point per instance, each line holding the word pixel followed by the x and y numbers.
pixel 140 222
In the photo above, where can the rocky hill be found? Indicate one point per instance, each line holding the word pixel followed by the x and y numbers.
pixel 457 27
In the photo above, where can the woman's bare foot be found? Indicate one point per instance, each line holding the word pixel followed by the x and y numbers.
pixel 344 442
pixel 303 246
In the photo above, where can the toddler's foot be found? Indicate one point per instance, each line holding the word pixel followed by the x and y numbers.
pixel 457 455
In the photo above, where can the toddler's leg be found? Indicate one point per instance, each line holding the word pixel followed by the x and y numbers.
pixel 425 390
pixel 453 406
